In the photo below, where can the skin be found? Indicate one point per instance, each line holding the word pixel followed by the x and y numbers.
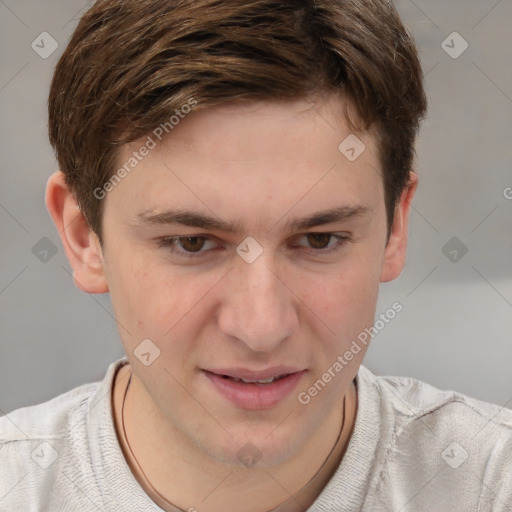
pixel 259 165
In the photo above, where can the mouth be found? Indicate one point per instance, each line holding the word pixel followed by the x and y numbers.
pixel 254 390
pixel 260 382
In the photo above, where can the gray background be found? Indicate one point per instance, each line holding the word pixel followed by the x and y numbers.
pixel 455 330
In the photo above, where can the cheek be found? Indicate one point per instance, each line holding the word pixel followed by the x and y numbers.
pixel 155 300
pixel 344 300
pixel 145 297
pixel 351 289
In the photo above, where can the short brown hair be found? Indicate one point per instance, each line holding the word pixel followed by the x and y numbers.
pixel 131 63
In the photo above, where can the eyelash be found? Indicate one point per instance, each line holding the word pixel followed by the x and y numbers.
pixel 171 242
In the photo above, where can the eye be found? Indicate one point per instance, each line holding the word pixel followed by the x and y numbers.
pixel 321 242
pixel 197 245
pixel 187 246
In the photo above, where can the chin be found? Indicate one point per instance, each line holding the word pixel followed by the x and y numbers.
pixel 255 449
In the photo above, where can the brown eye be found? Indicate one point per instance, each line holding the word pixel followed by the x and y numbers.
pixel 191 243
pixel 187 246
pixel 321 244
pixel 319 240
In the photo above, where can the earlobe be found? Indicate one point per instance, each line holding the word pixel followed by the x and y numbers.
pixel 80 243
pixel 395 252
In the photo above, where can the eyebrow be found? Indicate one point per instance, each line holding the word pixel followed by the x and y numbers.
pixel 201 220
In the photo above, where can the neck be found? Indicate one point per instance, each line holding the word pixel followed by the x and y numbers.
pixel 200 482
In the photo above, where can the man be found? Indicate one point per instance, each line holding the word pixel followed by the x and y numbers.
pixel 239 176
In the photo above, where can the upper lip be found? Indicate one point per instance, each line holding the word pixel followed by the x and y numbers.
pixel 244 373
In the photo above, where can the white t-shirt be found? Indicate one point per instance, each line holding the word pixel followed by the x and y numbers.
pixel 414 448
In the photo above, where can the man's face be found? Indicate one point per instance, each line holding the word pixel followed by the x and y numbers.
pixel 212 310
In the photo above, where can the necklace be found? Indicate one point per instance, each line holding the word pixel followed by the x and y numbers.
pixel 176 509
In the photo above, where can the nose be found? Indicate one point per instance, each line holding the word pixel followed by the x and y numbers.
pixel 258 308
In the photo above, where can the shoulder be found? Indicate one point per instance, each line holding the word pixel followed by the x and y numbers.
pixel 47 419
pixel 47 446
pixel 411 399
pixel 443 442
pixel 55 417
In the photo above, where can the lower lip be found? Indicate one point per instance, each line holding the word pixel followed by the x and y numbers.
pixel 255 396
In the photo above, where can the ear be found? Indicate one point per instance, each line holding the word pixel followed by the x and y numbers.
pixel 81 244
pixel 394 254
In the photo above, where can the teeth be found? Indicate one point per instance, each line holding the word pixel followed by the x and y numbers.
pixel 266 381
pixel 262 381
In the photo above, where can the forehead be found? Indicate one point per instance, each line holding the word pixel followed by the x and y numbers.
pixel 260 151
pixel 258 130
